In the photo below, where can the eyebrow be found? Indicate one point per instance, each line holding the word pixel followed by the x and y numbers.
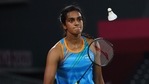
pixel 73 17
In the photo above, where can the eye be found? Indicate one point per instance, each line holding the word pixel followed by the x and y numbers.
pixel 71 20
pixel 79 19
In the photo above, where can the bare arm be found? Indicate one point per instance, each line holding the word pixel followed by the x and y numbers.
pixel 98 78
pixel 53 59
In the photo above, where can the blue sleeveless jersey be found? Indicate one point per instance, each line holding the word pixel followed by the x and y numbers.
pixel 74 66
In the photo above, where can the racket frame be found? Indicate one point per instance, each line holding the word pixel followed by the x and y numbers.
pixel 88 50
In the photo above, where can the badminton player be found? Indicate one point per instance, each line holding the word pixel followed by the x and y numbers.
pixel 67 60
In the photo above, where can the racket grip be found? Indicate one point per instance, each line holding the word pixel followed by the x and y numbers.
pixel 77 82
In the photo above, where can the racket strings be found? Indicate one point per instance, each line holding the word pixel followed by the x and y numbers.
pixel 104 52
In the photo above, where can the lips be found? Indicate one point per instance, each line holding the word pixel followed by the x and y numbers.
pixel 77 28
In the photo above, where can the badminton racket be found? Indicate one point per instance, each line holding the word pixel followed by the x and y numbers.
pixel 103 53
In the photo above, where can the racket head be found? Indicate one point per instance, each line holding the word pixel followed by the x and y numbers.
pixel 103 51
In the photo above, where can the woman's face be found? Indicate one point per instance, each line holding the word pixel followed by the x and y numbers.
pixel 74 23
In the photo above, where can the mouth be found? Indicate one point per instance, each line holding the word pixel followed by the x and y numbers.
pixel 77 28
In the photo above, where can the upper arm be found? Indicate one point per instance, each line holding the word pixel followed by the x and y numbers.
pixel 53 58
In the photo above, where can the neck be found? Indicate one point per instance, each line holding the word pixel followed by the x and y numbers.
pixel 74 43
pixel 74 39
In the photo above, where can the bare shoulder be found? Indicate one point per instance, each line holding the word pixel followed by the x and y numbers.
pixel 91 46
pixel 55 53
pixel 89 40
pixel 56 47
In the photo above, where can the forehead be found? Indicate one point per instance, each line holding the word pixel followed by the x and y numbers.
pixel 73 14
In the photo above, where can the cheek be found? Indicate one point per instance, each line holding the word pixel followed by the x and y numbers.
pixel 82 24
pixel 69 25
pixel 66 26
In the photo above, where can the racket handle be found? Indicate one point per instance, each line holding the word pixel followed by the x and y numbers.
pixel 77 82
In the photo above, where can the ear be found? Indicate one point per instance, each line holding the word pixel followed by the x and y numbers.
pixel 64 26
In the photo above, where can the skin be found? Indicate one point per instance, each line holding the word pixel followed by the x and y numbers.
pixel 74 28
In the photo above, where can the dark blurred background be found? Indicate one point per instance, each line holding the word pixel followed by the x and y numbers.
pixel 29 28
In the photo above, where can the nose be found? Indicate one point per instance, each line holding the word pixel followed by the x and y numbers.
pixel 76 22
